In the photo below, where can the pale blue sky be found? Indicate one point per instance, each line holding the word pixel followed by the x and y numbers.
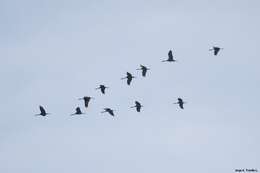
pixel 54 52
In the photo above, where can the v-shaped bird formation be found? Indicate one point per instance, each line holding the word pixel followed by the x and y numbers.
pixel 138 106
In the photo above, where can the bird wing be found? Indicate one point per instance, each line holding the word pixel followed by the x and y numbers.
pixel 137 103
pixel 129 79
pixel 103 90
pixel 128 74
pixel 180 100
pixel 111 112
pixel 144 70
pixel 42 110
pixel 216 50
pixel 78 111
pixel 170 56
pixel 86 99
pixel 181 105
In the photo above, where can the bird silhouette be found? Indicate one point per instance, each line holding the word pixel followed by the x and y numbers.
pixel 102 88
pixel 43 112
pixel 144 70
pixel 170 57
pixel 86 100
pixel 78 111
pixel 216 50
pixel 110 111
pixel 129 78
pixel 137 106
pixel 180 103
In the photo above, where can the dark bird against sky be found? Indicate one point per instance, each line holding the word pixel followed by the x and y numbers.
pixel 216 50
pixel 170 57
pixel 86 100
pixel 78 111
pixel 137 106
pixel 129 78
pixel 43 112
pixel 180 103
pixel 102 88
pixel 144 70
pixel 110 111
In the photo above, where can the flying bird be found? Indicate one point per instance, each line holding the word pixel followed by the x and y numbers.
pixel 137 106
pixel 216 50
pixel 102 88
pixel 86 100
pixel 144 70
pixel 43 112
pixel 78 111
pixel 129 78
pixel 170 57
pixel 110 111
pixel 180 103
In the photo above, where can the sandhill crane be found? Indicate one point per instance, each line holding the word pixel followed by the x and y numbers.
pixel 43 112
pixel 102 88
pixel 144 70
pixel 137 106
pixel 78 111
pixel 110 111
pixel 129 78
pixel 86 100
pixel 180 103
pixel 170 57
pixel 215 49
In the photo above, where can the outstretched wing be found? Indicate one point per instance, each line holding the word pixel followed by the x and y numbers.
pixel 181 105
pixel 103 90
pixel 138 106
pixel 129 79
pixel 43 112
pixel 128 74
pixel 111 112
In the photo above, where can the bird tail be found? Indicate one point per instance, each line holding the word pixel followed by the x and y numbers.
pixel 164 61
pixel 123 78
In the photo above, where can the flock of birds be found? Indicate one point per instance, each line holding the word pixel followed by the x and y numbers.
pixel 129 78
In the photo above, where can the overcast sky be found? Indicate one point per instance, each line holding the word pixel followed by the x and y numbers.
pixel 54 52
